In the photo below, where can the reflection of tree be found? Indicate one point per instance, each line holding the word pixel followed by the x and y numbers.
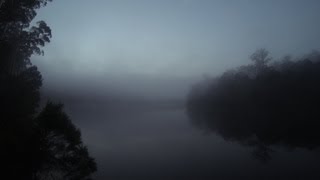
pixel 43 146
pixel 262 105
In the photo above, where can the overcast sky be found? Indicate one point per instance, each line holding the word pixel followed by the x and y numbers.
pixel 174 37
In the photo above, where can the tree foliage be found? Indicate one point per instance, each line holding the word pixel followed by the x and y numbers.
pixel 34 146
pixel 260 58
pixel 262 105
pixel 18 41
pixel 63 154
pixel 19 100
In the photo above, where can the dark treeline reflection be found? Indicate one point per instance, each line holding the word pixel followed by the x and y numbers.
pixel 262 105
pixel 36 143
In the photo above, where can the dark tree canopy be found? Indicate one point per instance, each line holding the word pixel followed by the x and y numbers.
pixel 62 153
pixel 19 101
pixel 18 41
pixel 276 105
pixel 20 11
pixel 260 58
pixel 33 146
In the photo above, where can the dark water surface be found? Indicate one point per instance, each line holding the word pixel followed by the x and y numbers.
pixel 146 141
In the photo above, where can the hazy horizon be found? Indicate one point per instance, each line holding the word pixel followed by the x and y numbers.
pixel 124 69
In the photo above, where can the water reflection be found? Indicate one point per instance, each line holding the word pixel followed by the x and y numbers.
pixel 163 144
pixel 262 105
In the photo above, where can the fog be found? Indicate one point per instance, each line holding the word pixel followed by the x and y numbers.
pixel 138 137
pixel 124 69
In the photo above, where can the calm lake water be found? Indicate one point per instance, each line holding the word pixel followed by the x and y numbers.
pixel 143 141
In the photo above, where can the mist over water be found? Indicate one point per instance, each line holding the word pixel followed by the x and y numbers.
pixel 160 89
pixel 142 137
pixel 130 100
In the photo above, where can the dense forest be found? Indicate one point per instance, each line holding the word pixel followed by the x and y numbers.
pixel 36 142
pixel 264 104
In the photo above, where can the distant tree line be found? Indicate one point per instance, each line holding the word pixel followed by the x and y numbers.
pixel 262 105
pixel 35 143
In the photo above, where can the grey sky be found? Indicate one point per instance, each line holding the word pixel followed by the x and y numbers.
pixel 174 37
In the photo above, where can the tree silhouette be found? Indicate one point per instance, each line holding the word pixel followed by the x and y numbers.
pixel 33 146
pixel 262 105
pixel 19 100
pixel 260 58
pixel 63 154
pixel 18 41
